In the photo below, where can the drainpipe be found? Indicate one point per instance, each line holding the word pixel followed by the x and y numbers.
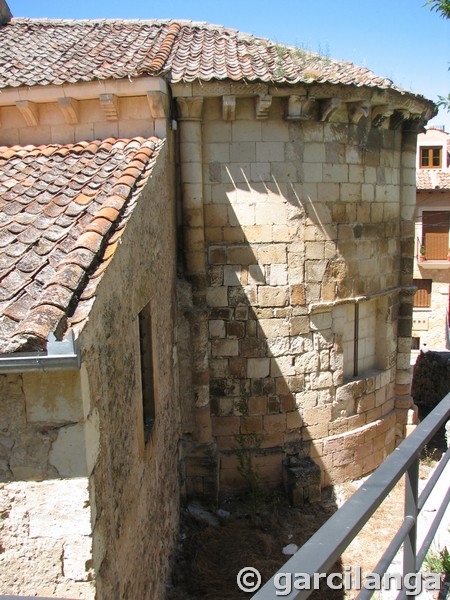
pixel 356 342
pixel 60 356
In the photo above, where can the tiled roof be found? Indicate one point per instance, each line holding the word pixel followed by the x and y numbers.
pixel 62 212
pixel 43 52
pixel 431 179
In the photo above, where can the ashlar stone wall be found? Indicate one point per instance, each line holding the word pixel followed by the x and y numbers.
pixel 302 226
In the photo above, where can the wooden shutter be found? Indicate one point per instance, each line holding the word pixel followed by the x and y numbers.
pixel 435 226
pixel 422 298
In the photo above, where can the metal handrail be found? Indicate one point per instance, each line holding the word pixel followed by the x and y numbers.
pixel 325 547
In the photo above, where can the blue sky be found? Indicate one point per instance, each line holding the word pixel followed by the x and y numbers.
pixel 399 39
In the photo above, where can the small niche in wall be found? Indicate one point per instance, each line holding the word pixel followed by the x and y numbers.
pixel 148 379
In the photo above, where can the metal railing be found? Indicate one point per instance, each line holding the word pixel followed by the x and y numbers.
pixel 325 547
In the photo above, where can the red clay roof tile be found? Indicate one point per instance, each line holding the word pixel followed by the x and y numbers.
pixel 54 248
pixel 433 179
pixel 43 52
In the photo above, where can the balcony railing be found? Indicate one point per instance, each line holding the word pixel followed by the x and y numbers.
pixel 325 547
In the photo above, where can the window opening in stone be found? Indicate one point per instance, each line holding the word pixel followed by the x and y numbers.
pixel 147 370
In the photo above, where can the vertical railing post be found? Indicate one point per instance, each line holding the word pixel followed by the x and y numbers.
pixel 411 496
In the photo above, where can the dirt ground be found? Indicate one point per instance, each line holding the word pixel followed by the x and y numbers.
pixel 209 557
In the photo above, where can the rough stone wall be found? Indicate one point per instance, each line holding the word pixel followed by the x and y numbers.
pixel 45 543
pixel 134 486
pixel 300 217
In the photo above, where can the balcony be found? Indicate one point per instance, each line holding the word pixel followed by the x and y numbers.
pixel 433 252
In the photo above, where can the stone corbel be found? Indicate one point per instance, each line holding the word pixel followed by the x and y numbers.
pixel 328 108
pixel 29 111
pixel 301 108
pixel 356 111
pixel 400 115
pixel 110 106
pixel 228 108
pixel 158 104
pixel 263 104
pixel 380 114
pixel 190 109
pixel 70 110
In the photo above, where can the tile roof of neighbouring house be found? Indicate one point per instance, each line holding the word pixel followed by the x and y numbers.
pixel 43 52
pixel 63 209
pixel 433 179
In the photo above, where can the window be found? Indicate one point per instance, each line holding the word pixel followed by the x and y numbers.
pixel 422 298
pixel 431 157
pixel 435 226
pixel 415 343
pixel 147 370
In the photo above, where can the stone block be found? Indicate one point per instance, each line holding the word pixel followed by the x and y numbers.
pixel 252 347
pixel 235 329
pixel 217 328
pixel 240 255
pixel 225 426
pixel 256 274
pixel 217 296
pixel 237 367
pixel 274 131
pixel 242 152
pixel 270 254
pixel 246 131
pixel 282 366
pixel 321 381
pixel 258 367
pixel 270 151
pixel 315 250
pixel 299 325
pixel 224 347
pixel 275 423
pixel 335 173
pixel 271 213
pixel 314 153
pixel 307 362
pixel 232 275
pixel 313 173
pixel 273 327
pixel 52 400
pixel 68 454
pixel 272 296
pixel 216 215
pixel 257 405
pixel 278 274
pixel 260 172
pixel 297 294
pixel 241 215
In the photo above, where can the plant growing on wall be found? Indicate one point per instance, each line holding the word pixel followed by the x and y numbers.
pixel 247 442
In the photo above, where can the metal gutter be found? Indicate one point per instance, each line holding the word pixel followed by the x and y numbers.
pixel 60 356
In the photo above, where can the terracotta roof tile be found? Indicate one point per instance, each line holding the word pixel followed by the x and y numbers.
pixel 433 179
pixel 43 52
pixel 55 244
